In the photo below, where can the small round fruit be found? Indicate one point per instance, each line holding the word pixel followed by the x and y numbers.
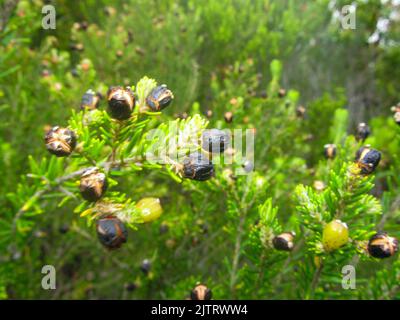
pixel 228 116
pixel 367 159
pixel 319 185
pixel 198 167
pixel 330 151
pixel 64 228
pixel 283 241
pixel 130 286
pixel 382 246
pixel 209 113
pixel 111 232
pixel 248 166
pixel 164 228
pixel 145 267
pixel 215 141
pixel 90 100
pixel 93 184
pixel 60 141
pixel 201 292
pixel 363 131
pixel 159 98
pixel 121 102
pixel 300 111
pixel 335 235
pixel 150 209
pixel 77 47
pixel 281 93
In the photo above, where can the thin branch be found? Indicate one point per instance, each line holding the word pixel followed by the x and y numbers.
pixel 315 281
pixel 240 229
pixel 57 182
pixel 392 210
pixel 236 256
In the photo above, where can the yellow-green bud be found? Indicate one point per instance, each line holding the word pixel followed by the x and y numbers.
pixel 150 209
pixel 335 235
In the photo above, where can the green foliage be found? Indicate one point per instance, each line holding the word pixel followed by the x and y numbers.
pixel 259 60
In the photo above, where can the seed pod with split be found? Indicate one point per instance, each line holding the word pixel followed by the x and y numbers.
pixel 284 241
pixel 60 141
pixel 120 102
pixel 363 131
pixel 214 140
pixel 90 100
pixel 150 209
pixel 159 98
pixel 93 184
pixel 382 246
pixel 330 151
pixel 201 292
pixel 111 232
pixel 335 235
pixel 197 167
pixel 145 266
pixel 367 159
pixel 228 117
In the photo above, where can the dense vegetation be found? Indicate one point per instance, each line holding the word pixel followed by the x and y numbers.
pixel 285 70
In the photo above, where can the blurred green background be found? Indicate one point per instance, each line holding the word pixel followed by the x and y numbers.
pixel 208 52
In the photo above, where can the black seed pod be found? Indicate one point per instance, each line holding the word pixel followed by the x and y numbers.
pixel 215 140
pixel 284 241
pixel 111 232
pixel 201 292
pixel 60 141
pixel 330 151
pixel 64 228
pixel 159 98
pixel 363 131
pixel 120 102
pixel 382 246
pixel 93 184
pixel 90 100
pixel 75 73
pixel 145 266
pixel 367 159
pixel 198 167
